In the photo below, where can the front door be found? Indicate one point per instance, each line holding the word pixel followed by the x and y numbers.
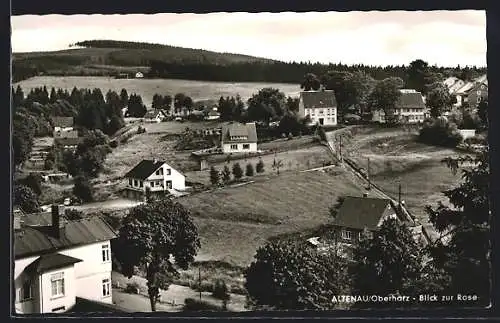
pixel 321 121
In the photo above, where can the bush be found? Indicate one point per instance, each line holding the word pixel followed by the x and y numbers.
pixel 191 304
pixel 249 170
pixel 132 288
pixel 260 166
pixel 440 132
pixel 220 290
pixel 237 171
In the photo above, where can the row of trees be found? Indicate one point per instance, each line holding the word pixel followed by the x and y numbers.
pixel 287 274
pixel 224 176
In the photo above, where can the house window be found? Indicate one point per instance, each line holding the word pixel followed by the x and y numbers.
pixel 346 234
pixel 106 287
pixel 320 111
pixel 159 171
pixel 153 184
pixel 141 183
pixel 169 184
pixel 136 182
pixel 234 147
pixel 105 253
pixel 169 171
pixel 57 284
pixel 246 146
pixel 130 182
pixel 478 99
pixel 25 292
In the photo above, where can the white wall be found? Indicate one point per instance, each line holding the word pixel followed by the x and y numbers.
pixel 68 300
pixel 226 148
pixel 467 133
pixel 178 180
pixel 90 272
pixel 329 115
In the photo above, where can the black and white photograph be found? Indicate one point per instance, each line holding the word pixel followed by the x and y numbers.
pixel 239 162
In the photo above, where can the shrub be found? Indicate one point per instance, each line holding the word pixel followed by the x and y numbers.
pixel 440 132
pixel 260 166
pixel 191 304
pixel 237 171
pixel 132 288
pixel 214 176
pixel 249 170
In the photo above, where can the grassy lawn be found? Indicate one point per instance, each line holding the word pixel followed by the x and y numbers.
pixel 179 127
pixel 233 222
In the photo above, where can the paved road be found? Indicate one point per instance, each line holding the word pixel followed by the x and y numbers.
pixel 114 204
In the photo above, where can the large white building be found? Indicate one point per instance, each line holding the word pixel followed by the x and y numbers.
pixel 239 137
pixel 59 262
pixel 320 106
pixel 154 175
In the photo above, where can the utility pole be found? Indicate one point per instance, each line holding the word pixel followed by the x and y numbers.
pixel 340 147
pixel 368 175
pixel 199 281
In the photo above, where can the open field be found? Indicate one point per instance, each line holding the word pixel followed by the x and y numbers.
pixel 234 222
pixel 197 90
pixel 396 157
pixel 174 127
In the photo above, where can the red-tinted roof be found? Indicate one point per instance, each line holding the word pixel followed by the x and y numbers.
pixel 31 241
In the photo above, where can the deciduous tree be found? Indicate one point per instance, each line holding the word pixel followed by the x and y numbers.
pixel 159 237
pixel 26 199
pixel 291 275
pixel 385 96
pixel 310 82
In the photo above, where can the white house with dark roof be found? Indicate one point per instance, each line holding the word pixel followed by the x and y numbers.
pixel 63 127
pixel 238 137
pixel 320 106
pixel 153 175
pixel 155 115
pixel 59 262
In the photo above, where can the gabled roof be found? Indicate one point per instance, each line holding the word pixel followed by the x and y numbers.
pixel 144 169
pixel 31 240
pixel 361 212
pixel 318 99
pixel 63 122
pixel 239 129
pixel 51 261
pixel 412 99
pixel 464 89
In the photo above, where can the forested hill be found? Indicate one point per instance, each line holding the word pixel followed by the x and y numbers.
pixel 109 57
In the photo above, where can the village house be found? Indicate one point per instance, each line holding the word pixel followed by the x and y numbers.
pixel 153 175
pixel 60 262
pixel 63 127
pixel 68 143
pixel 155 116
pixel 473 92
pixel 213 114
pixel 320 106
pixel 357 214
pixel 238 137
pixel 453 84
pixel 410 108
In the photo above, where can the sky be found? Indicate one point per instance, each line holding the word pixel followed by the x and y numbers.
pixel 445 38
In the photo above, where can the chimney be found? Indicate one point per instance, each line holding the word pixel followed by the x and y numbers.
pixel 155 160
pixel 57 215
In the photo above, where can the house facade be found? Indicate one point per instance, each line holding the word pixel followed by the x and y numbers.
pixel 239 137
pixel 68 143
pixel 320 106
pixel 153 175
pixel 473 92
pixel 58 262
pixel 410 108
pixel 63 127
